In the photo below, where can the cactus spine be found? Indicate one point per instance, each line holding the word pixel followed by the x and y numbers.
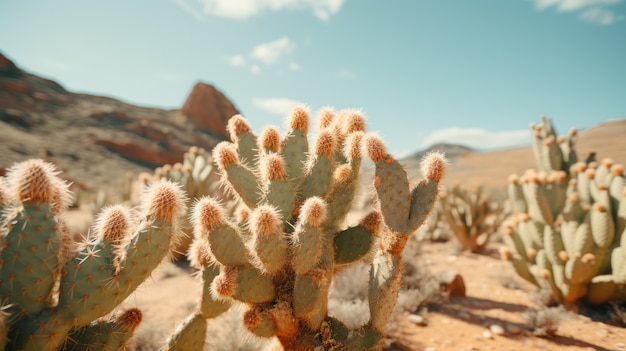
pixel 568 234
pixel 55 286
pixel 279 255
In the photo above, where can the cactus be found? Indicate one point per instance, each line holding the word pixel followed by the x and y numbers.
pixel 55 285
pixel 278 255
pixel 471 216
pixel 196 175
pixel 568 234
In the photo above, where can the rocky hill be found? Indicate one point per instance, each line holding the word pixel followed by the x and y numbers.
pixel 95 140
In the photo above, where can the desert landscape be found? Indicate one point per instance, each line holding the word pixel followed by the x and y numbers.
pixel 99 143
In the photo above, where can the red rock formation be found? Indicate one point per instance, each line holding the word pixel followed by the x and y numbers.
pixel 209 109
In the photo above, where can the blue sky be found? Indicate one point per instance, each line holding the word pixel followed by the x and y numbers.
pixel 475 72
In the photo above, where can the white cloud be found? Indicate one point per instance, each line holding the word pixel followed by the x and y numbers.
pixel 278 106
pixel 593 11
pixel 478 138
pixel 189 9
pixel 294 67
pixel 255 69
pixel 238 61
pixel 599 16
pixel 242 9
pixel 572 5
pixel 269 53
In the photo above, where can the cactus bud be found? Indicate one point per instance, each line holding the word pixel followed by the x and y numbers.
pixel 352 146
pixel 299 119
pixel 313 211
pixel 354 122
pixel 225 154
pixel 325 143
pixel 112 224
pixel 326 117
pixel 434 166
pixel 342 173
pixel 274 168
pixel 225 284
pixel 269 139
pixel 237 125
pixel 506 253
pixel 131 318
pixel 265 220
pixel 375 148
pixel 36 181
pixel 165 200
pixel 206 215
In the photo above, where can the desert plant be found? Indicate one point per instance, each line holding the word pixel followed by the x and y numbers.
pixel 278 256
pixel 471 215
pixel 567 236
pixel 55 286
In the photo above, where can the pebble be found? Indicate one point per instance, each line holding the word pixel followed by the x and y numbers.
pixel 487 335
pixel 464 315
pixel 496 329
pixel 417 319
pixel 620 346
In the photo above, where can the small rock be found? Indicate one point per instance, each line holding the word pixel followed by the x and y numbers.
pixel 620 346
pixel 487 335
pixel 452 283
pixel 429 349
pixel 513 329
pixel 496 329
pixel 417 319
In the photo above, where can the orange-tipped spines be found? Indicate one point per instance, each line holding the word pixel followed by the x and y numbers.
pixel 113 224
pixel 165 200
pixel 313 211
pixel 36 181
pixel 236 126
pixel 514 179
pixel 225 284
pixel 131 318
pixel 274 168
pixel 225 154
pixel 342 173
pixel 206 215
pixel 352 145
pixel 433 166
pixel 4 193
pixel 372 222
pixel 326 117
pixel 265 220
pixel 588 258
pixel 505 253
pixel 353 122
pixel 374 147
pixel 325 143
pixel 269 139
pixel 299 118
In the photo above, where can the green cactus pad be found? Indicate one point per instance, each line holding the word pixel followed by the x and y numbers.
pixel 227 245
pixel 310 300
pixel 29 259
pixel 384 287
pixel 392 186
pixel 244 182
pixel 190 334
pixel 352 244
pixel 318 179
pixel 210 307
pixel 294 150
pixel 307 248
pixel 110 335
pixel 253 287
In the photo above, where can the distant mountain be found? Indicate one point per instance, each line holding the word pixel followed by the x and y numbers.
pixel 95 140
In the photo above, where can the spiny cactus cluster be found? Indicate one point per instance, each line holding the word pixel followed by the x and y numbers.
pixel 471 215
pixel 568 234
pixel 56 288
pixel 277 256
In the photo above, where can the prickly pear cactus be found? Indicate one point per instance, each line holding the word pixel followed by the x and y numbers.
pixel 277 256
pixel 471 215
pixel 54 285
pixel 568 234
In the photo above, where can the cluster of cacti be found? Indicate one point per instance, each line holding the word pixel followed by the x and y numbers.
pixel 470 215
pixel 277 256
pixel 55 286
pixel 568 234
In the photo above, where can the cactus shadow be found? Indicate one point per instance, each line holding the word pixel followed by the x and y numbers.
pixel 467 309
